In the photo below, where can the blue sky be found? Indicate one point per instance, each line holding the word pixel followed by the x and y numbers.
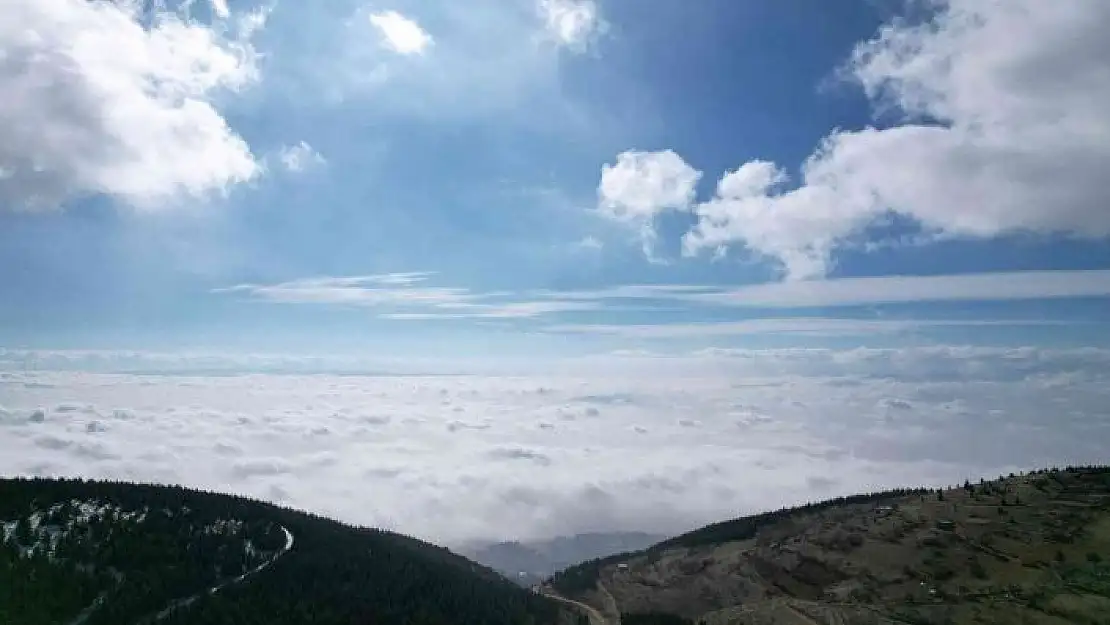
pixel 700 257
pixel 504 177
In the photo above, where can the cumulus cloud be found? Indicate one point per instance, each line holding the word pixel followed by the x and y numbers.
pixel 300 157
pixel 400 34
pixel 1002 130
pixel 677 442
pixel 106 98
pixel 640 185
pixel 574 24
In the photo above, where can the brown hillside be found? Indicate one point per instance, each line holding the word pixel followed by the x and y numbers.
pixel 1025 549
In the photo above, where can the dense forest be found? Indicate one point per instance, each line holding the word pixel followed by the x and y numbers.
pixel 102 553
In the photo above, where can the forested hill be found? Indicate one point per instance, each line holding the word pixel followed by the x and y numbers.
pixel 1032 548
pixel 100 553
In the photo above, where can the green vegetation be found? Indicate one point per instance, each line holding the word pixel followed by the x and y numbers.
pixel 583 577
pixel 138 554
pixel 1027 548
pixel 747 527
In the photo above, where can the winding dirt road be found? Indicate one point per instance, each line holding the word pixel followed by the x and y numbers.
pixel 186 601
pixel 595 617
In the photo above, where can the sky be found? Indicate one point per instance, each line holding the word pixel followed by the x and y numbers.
pixel 610 198
pixel 549 177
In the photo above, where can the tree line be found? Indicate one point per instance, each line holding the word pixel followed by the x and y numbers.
pixel 335 574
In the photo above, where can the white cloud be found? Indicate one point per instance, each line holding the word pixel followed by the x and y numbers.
pixel 640 185
pixel 504 310
pixel 401 34
pixel 629 457
pixel 1004 130
pixel 574 24
pixel 917 364
pixel 589 243
pixel 219 7
pixel 101 99
pixel 1001 286
pixel 400 290
pixel 495 62
pixel 300 157
pixel 375 290
pixel 802 326
pixel 984 287
pixel 403 296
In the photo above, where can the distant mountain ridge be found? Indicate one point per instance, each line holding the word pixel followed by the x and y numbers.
pixel 532 561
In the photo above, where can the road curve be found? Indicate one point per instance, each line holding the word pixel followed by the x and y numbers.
pixel 595 617
pixel 186 601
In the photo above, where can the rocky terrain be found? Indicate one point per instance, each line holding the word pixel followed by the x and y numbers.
pixel 1031 548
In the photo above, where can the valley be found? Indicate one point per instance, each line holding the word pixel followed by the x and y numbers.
pixel 1031 548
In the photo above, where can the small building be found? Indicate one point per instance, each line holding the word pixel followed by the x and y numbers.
pixel 623 566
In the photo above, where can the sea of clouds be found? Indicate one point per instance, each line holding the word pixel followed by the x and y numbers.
pixel 642 442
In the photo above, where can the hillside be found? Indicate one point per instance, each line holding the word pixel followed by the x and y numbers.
pixel 531 562
pixel 1022 549
pixel 97 553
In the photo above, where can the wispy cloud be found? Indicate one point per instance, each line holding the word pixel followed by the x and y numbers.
pixel 589 243
pixel 807 326
pixel 398 293
pixel 219 7
pixel 574 24
pixel 300 157
pixel 846 292
pixel 407 296
pixel 983 287
pixel 508 310
pixel 475 60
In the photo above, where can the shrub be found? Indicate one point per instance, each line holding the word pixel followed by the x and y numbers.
pixel 977 569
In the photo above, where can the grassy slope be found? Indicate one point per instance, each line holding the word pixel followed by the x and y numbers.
pixel 1032 548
